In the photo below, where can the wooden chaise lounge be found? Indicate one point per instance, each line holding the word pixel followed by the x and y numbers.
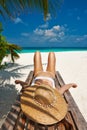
pixel 16 120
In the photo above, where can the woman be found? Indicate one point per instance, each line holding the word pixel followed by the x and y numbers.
pixel 41 98
pixel 45 77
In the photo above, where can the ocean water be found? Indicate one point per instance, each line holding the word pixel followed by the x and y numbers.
pixel 54 49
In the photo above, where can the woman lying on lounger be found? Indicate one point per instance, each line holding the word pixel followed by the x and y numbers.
pixel 45 77
pixel 41 101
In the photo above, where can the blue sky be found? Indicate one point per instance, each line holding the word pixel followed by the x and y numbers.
pixel 67 29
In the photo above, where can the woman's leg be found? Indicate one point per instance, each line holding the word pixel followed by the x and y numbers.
pixel 37 68
pixel 51 63
pixel 37 63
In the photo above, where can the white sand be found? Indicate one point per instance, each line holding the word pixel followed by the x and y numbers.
pixel 71 65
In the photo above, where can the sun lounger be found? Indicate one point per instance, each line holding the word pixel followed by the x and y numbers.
pixel 16 120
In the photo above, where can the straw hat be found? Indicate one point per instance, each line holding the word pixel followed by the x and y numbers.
pixel 43 104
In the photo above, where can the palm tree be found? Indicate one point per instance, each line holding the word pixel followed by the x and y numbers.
pixel 12 8
pixel 7 48
pixel 12 49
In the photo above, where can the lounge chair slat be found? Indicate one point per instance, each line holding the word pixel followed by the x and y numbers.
pixel 12 116
pixel 20 124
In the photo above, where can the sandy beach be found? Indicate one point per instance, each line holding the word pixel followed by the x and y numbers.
pixel 71 65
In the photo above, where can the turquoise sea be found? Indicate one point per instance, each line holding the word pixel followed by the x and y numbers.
pixel 54 49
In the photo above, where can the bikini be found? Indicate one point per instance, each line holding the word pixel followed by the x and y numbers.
pixel 42 78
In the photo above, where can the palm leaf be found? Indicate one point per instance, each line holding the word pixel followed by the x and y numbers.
pixel 14 7
pixel 13 49
pixel 14 55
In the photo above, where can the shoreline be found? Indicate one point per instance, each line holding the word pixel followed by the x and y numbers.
pixel 55 49
pixel 71 65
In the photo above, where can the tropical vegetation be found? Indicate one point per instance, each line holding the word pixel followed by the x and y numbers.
pixel 15 7
pixel 7 48
pixel 12 8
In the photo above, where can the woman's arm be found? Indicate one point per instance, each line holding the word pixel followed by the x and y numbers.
pixel 22 83
pixel 66 87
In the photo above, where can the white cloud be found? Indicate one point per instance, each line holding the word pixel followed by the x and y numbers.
pixel 56 27
pixel 39 31
pixel 48 17
pixel 53 40
pixel 49 33
pixel 18 20
pixel 55 33
pixel 61 34
pixel 81 38
pixel 25 34
pixel 44 25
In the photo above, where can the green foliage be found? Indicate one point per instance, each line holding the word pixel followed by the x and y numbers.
pixel 12 50
pixel 1 29
pixel 7 48
pixel 12 8
pixel 3 45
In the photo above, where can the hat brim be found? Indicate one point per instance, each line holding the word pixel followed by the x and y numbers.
pixel 43 115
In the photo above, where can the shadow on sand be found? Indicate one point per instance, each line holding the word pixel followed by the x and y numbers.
pixel 8 91
pixel 11 71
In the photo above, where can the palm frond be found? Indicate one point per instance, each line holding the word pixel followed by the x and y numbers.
pixel 14 7
pixel 14 55
pixel 13 50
